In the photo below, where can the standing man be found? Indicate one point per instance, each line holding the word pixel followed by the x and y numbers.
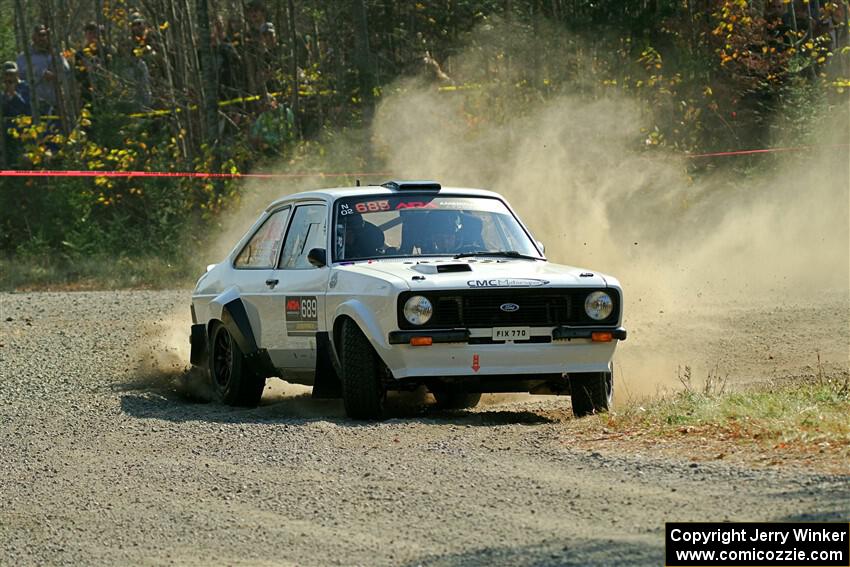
pixel 228 64
pixel 256 15
pixel 15 102
pixel 16 93
pixel 90 63
pixel 269 71
pixel 45 81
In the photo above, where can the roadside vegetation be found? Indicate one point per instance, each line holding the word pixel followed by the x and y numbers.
pixel 709 75
pixel 75 273
pixel 801 421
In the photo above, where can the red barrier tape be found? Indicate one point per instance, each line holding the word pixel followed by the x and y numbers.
pixel 193 174
pixel 765 151
pixel 199 175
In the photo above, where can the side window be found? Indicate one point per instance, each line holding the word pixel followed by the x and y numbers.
pixel 262 250
pixel 307 230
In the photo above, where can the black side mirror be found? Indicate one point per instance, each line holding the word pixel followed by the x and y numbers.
pixel 318 257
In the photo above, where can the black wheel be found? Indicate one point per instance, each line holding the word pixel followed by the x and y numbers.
pixel 452 398
pixel 233 380
pixel 591 393
pixel 363 391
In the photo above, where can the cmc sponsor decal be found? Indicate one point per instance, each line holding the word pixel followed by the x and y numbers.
pixel 506 282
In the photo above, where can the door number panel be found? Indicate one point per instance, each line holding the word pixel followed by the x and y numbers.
pixel 302 315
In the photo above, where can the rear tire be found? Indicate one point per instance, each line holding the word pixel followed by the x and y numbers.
pixel 232 379
pixel 592 392
pixel 453 399
pixel 363 392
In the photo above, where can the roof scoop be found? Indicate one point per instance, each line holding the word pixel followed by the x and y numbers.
pixel 441 268
pixel 412 185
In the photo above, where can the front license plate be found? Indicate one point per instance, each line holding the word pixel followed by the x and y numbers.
pixel 510 333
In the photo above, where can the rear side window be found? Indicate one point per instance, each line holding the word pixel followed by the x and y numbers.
pixel 307 230
pixel 262 250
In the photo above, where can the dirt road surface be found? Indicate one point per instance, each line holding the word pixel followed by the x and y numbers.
pixel 106 462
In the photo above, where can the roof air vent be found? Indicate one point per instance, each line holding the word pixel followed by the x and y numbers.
pixel 412 185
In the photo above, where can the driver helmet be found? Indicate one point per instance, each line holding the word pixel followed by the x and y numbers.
pixel 444 227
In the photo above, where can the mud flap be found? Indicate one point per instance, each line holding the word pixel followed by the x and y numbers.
pixel 200 348
pixel 327 384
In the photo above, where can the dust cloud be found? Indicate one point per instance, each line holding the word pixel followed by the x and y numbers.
pixel 682 246
pixel 161 360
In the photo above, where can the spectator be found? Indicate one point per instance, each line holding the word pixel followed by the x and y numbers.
pixel 257 15
pixel 90 63
pixel 132 65
pixel 269 63
pixel 146 47
pixel 16 102
pixel 139 32
pixel 252 46
pixel 228 64
pixel 274 128
pixel 16 93
pixel 45 81
pixel 234 31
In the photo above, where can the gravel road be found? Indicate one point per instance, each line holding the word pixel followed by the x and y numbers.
pixel 106 462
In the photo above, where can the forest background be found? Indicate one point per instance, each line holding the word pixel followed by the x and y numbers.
pixel 706 76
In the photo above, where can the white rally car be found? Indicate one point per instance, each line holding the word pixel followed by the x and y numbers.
pixel 414 284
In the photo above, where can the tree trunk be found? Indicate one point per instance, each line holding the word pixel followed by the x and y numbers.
pixel 293 40
pixel 209 94
pixel 363 59
pixel 21 18
pixel 61 87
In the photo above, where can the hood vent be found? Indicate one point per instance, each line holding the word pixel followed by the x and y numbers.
pixel 441 268
pixel 446 268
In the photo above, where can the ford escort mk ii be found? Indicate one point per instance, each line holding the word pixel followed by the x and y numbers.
pixel 362 290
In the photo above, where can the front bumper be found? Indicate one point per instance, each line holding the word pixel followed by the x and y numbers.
pixel 456 353
pixel 463 335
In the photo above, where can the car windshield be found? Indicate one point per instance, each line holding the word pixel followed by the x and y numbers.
pixel 378 226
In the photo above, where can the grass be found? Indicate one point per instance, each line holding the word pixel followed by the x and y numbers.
pixel 802 422
pixel 799 413
pixel 61 273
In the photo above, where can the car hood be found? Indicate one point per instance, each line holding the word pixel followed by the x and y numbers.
pixel 475 273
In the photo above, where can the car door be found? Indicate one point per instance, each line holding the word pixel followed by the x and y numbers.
pixel 299 297
pixel 254 270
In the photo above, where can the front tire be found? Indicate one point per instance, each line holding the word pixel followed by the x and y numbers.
pixel 233 380
pixel 363 392
pixel 591 392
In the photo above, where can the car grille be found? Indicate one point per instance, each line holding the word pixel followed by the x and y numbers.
pixel 482 308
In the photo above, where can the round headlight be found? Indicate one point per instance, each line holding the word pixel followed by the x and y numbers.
pixel 418 310
pixel 598 305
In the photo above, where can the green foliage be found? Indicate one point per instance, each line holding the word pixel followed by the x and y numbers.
pixel 710 74
pixel 8 49
pixel 807 412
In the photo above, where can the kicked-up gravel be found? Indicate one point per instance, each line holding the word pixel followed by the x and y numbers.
pixel 109 457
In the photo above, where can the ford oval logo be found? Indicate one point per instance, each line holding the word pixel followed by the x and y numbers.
pixel 509 307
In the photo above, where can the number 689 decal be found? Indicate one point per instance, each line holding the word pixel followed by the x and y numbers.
pixel 302 308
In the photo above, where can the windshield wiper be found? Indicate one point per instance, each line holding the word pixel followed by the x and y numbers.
pixel 505 253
